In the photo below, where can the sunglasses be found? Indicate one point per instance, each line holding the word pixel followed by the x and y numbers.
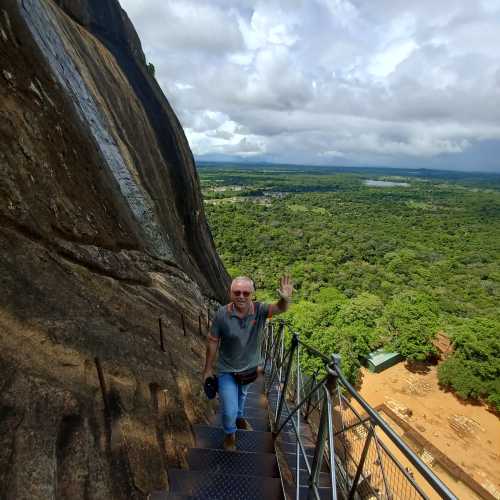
pixel 238 293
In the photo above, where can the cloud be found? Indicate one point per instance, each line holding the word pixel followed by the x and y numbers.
pixel 221 134
pixel 331 81
pixel 185 25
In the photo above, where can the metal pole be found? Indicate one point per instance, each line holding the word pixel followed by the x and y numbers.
pixel 361 464
pixel 388 492
pixel 265 345
pixel 268 344
pixel 295 343
pixel 313 382
pixel 281 357
pixel 297 449
pixel 331 445
pixel 274 363
pixel 270 347
pixel 319 449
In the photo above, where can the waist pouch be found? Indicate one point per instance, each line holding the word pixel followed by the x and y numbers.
pixel 246 377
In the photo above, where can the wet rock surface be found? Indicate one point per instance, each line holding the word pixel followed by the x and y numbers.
pixel 102 232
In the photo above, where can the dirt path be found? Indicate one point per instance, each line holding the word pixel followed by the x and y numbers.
pixel 468 434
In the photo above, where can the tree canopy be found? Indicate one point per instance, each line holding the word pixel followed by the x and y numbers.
pixel 373 266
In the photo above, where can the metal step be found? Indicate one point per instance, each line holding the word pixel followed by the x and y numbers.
pixel 231 462
pixel 291 460
pixel 305 435
pixel 252 405
pixel 292 447
pixel 210 486
pixel 253 411
pixel 257 386
pixel 254 441
pixel 324 478
pixel 324 493
pixel 166 495
pixel 256 400
pixel 257 424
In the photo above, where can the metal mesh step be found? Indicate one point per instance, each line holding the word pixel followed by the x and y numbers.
pixel 260 424
pixel 324 478
pixel 254 441
pixel 288 430
pixel 230 462
pixel 166 495
pixel 305 434
pixel 256 400
pixel 324 493
pixel 210 486
pixel 287 447
pixel 257 386
pixel 253 412
pixel 291 460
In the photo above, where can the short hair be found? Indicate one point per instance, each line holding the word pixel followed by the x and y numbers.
pixel 243 278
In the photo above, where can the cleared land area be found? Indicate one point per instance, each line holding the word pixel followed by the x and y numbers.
pixel 468 434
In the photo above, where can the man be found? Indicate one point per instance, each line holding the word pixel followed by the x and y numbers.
pixel 237 331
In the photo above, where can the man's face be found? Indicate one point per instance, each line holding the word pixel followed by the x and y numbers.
pixel 241 293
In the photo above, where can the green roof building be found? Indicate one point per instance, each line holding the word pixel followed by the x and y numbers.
pixel 379 360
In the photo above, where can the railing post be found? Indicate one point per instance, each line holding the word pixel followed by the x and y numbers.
pixel 319 450
pixel 281 353
pixel 297 448
pixel 313 383
pixel 330 388
pixel 361 463
pixel 295 343
pixel 267 344
pixel 272 357
pixel 326 425
pixel 275 365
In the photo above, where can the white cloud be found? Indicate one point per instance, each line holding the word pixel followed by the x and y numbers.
pixel 331 80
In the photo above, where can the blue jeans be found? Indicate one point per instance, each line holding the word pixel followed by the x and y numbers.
pixel 232 397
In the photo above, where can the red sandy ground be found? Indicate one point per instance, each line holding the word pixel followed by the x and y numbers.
pixel 476 450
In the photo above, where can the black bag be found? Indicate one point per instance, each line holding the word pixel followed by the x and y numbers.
pixel 246 377
pixel 211 386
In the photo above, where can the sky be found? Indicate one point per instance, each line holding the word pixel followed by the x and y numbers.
pixel 331 82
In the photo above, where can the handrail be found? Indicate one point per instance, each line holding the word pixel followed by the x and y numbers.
pixel 373 466
pixel 428 475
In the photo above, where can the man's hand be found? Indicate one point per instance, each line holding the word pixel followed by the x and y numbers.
pixel 206 374
pixel 285 292
pixel 286 287
pixel 211 351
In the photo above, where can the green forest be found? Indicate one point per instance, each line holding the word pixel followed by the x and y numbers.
pixel 386 265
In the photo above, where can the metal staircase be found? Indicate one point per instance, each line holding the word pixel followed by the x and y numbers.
pixel 249 473
pixel 314 428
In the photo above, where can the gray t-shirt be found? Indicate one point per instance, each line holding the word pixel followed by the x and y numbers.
pixel 240 338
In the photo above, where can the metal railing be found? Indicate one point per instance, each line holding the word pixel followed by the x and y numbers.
pixel 347 437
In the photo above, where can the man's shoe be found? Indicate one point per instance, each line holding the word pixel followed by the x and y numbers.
pixel 230 442
pixel 243 424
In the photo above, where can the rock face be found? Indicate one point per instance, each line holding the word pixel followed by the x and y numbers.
pixel 102 231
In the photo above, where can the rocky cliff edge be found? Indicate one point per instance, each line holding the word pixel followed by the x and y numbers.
pixel 102 232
